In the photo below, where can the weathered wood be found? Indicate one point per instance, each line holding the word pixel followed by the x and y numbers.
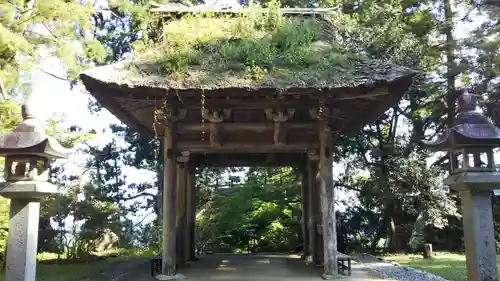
pixel 278 116
pixel 341 259
pixel 169 202
pixel 246 159
pixel 305 211
pixel 181 222
pixel 330 266
pixel 191 214
pixel 214 117
pixel 254 127
pixel 314 209
pixel 250 147
pixel 161 185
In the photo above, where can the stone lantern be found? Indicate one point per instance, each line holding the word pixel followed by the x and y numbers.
pixel 28 152
pixel 470 143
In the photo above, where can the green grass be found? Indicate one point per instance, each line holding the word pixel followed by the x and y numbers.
pixel 70 272
pixel 252 49
pixel 450 266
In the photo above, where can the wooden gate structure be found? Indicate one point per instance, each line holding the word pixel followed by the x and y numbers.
pixel 247 126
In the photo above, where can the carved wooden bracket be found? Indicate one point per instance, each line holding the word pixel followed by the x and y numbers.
pixel 215 117
pixel 278 116
pixel 184 157
pixel 319 113
pixel 174 115
pixel 313 155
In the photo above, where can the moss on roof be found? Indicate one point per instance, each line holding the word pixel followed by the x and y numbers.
pixel 252 49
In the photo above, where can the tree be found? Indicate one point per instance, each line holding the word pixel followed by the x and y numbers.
pixel 31 30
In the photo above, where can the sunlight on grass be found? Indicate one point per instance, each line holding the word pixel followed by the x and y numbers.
pixel 75 271
pixel 450 266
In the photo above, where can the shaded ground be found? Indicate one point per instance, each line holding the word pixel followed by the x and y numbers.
pixel 109 267
pixel 252 267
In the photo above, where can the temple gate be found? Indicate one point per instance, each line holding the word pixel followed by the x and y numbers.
pixel 292 124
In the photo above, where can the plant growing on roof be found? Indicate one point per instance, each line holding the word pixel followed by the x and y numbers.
pixel 255 48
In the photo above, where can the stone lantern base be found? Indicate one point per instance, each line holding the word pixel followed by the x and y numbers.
pixel 28 189
pixel 22 240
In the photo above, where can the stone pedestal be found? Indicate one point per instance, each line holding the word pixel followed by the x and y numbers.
pixel 479 235
pixel 22 240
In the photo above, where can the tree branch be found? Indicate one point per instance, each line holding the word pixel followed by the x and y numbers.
pixel 3 92
pixel 347 187
pixel 137 196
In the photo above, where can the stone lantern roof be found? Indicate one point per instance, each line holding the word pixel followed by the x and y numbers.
pixel 29 138
pixel 470 129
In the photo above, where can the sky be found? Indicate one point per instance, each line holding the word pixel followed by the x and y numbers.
pixel 71 104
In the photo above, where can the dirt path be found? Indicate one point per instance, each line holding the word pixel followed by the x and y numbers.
pixel 260 267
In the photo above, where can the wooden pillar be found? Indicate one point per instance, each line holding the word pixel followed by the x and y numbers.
pixel 190 242
pixel 169 200
pixel 305 211
pixel 159 199
pixel 314 209
pixel 181 220
pixel 327 205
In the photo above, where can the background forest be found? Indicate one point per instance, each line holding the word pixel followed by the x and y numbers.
pixel 390 199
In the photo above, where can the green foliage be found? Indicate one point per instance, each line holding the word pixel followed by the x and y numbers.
pixel 253 48
pixel 450 266
pixel 263 214
pixel 9 116
pixel 30 29
pixel 4 225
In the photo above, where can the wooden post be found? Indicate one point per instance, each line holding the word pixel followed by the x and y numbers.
pixel 314 210
pixel 181 210
pixel 190 241
pixel 305 211
pixel 169 201
pixel 160 180
pixel 327 205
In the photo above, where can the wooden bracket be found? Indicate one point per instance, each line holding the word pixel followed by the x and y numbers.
pixel 312 155
pixel 278 116
pixel 172 114
pixel 215 117
pixel 183 157
pixel 319 114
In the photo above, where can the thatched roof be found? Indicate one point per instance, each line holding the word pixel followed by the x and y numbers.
pixel 248 51
pixel 246 62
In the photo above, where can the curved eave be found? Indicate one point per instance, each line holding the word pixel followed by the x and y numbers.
pixel 100 93
pixel 455 139
pixel 48 148
pixel 106 89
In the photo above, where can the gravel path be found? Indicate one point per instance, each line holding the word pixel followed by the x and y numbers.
pixel 394 271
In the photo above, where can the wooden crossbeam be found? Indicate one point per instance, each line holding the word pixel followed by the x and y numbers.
pixel 250 147
pixel 257 127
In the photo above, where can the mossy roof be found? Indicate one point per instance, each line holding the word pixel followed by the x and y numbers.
pixel 249 50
